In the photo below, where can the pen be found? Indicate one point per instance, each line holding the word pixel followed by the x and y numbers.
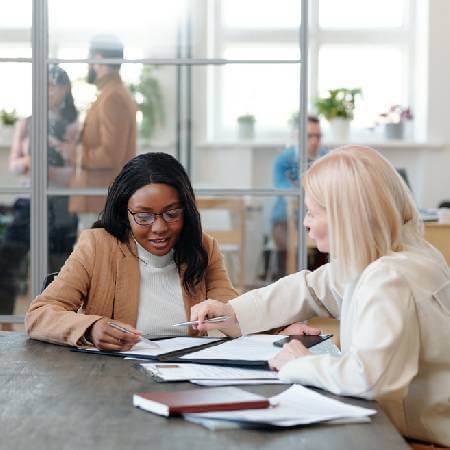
pixel 196 322
pixel 127 331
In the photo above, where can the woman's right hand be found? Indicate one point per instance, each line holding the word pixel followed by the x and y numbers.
pixel 105 337
pixel 213 308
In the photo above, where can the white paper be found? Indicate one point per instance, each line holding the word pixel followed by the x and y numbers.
pixel 165 346
pixel 237 382
pixel 185 371
pixel 257 347
pixel 217 424
pixel 325 347
pixel 297 405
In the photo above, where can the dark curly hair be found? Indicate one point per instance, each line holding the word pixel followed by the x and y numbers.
pixel 140 171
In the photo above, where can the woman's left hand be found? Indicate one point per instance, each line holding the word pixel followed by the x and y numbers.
pixel 299 328
pixel 292 350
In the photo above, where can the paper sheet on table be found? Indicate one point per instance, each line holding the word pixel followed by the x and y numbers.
pixel 325 347
pixel 165 346
pixel 297 405
pixel 223 382
pixel 257 347
pixel 185 371
pixel 216 424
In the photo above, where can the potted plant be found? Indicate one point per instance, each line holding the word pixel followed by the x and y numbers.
pixel 394 120
pixel 149 101
pixel 338 107
pixel 7 120
pixel 246 126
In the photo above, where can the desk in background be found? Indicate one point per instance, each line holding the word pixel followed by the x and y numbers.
pixel 438 235
pixel 53 399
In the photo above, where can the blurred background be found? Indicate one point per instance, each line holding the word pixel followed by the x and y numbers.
pixel 218 84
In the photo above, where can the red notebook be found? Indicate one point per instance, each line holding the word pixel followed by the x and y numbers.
pixel 198 400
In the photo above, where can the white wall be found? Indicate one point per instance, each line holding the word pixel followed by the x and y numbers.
pixel 434 166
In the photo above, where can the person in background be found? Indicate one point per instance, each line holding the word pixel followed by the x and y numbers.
pixel 285 175
pixel 62 226
pixel 389 287
pixel 143 265
pixel 108 138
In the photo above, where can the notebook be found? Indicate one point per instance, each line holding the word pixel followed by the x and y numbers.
pixel 198 400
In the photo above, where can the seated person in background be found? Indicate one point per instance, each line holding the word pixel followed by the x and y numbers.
pixel 390 288
pixel 285 175
pixel 62 225
pixel 143 265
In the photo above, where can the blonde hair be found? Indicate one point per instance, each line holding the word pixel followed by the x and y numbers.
pixel 367 205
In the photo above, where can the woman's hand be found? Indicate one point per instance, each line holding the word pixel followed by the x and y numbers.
pixel 213 308
pixel 105 337
pixel 299 328
pixel 292 350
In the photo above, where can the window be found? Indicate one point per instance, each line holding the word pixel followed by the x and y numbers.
pixel 366 48
pixel 268 90
pixel 352 43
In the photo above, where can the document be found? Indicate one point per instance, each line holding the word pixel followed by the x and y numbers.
pixel 235 382
pixel 165 346
pixel 186 371
pixel 256 347
pixel 297 405
pixel 216 424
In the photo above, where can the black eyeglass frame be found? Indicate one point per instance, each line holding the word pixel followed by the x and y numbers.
pixel 155 215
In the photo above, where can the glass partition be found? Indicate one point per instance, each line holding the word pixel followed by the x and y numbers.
pixel 257 236
pixel 175 95
pixel 14 253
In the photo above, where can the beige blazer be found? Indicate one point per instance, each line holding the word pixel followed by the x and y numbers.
pixel 101 279
pixel 108 141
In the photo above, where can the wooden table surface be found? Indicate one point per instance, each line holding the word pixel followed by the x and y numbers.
pixel 53 398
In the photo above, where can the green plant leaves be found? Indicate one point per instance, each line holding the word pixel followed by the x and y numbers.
pixel 149 101
pixel 339 103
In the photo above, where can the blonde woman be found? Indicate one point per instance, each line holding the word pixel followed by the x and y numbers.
pixel 387 285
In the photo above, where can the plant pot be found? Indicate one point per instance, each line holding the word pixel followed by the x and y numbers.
pixel 339 130
pixel 246 130
pixel 394 130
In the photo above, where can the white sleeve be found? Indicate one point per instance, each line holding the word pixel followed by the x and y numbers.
pixel 383 349
pixel 291 299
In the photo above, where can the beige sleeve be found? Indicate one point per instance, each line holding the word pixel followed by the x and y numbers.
pixel 382 354
pixel 53 315
pixel 294 298
pixel 115 125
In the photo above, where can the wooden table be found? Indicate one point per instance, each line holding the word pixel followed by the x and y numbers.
pixel 52 398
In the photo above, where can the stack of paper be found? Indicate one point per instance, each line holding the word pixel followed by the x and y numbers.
pixel 257 347
pixel 210 375
pixel 253 348
pixel 295 406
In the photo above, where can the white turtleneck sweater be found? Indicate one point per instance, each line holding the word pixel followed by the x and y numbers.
pixel 160 299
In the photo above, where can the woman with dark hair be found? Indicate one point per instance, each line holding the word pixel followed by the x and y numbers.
pixel 143 265
pixel 62 225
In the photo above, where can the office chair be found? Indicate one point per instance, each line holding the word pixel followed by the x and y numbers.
pixel 224 219
pixel 48 279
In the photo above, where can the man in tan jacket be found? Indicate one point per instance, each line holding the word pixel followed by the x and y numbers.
pixel 108 138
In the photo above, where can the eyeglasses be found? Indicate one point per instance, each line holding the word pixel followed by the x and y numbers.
pixel 147 219
pixel 315 135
